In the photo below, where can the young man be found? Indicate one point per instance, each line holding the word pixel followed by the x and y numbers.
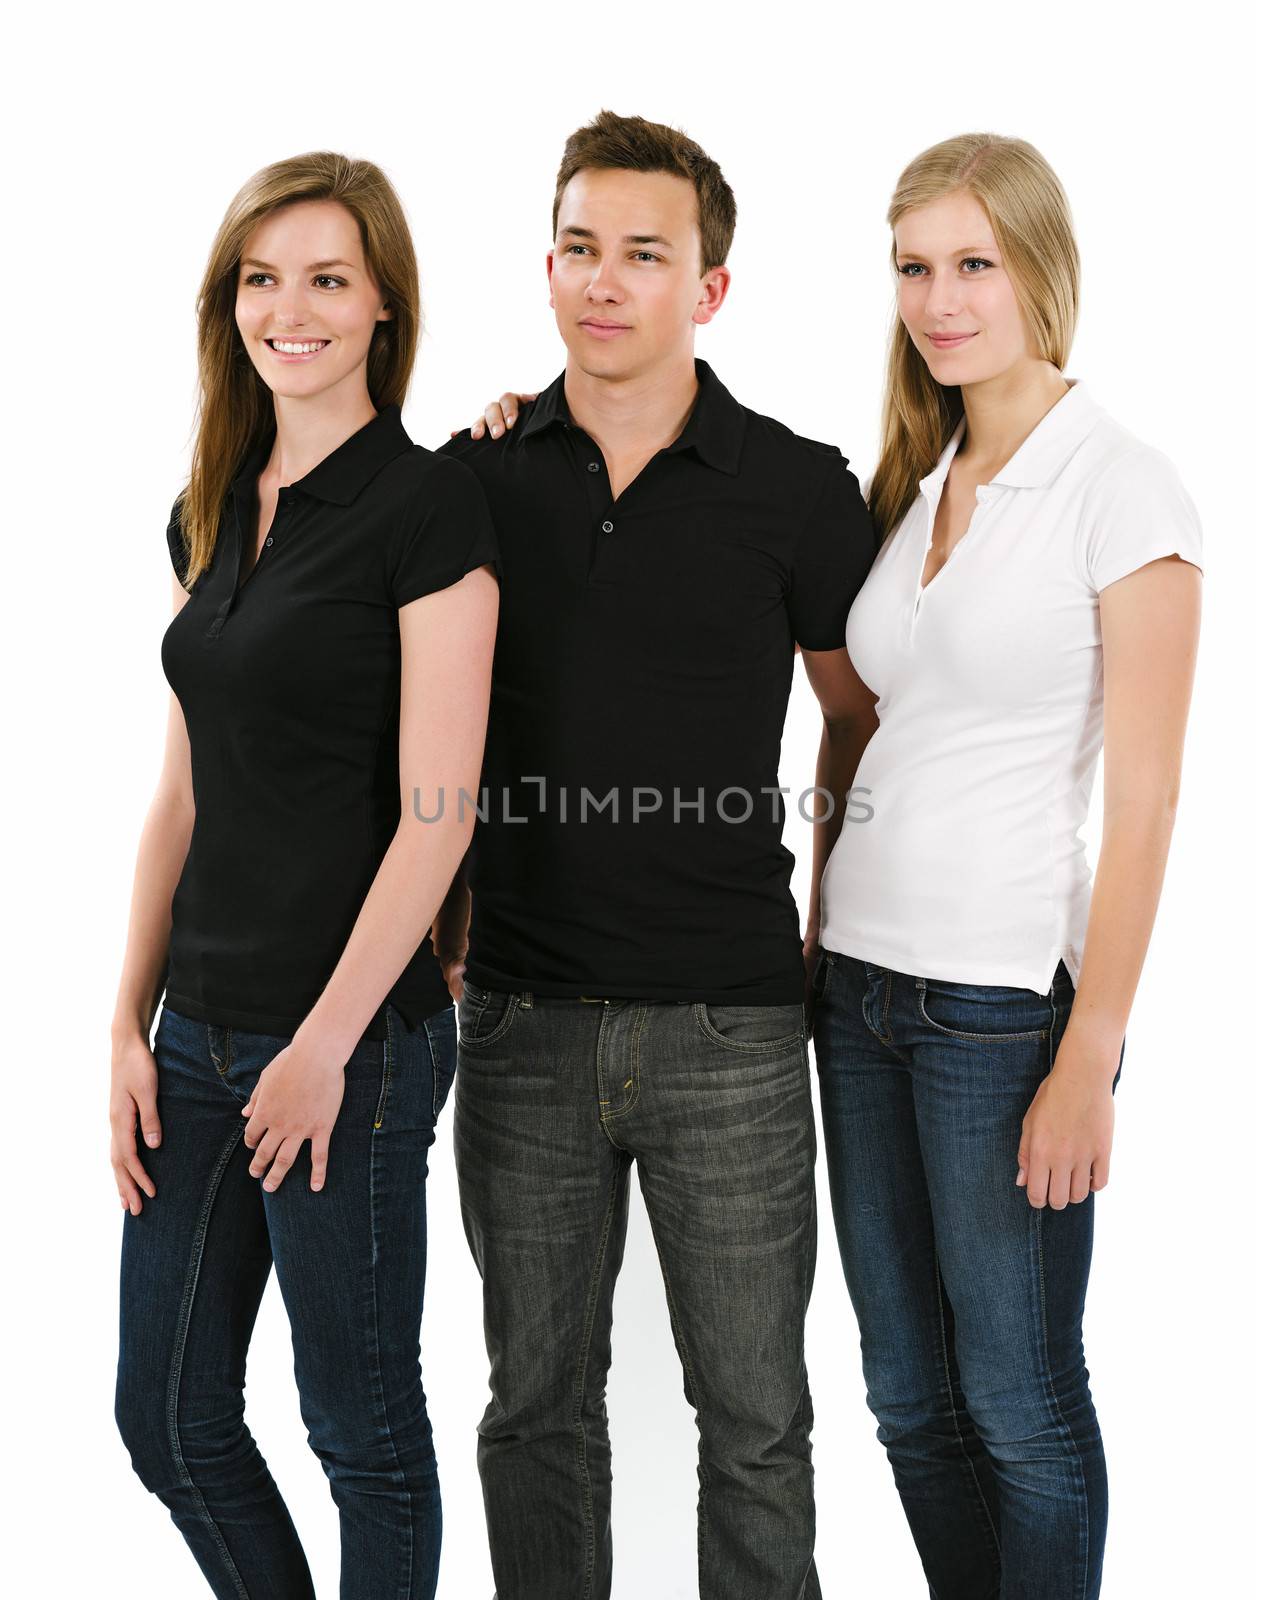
pixel 634 978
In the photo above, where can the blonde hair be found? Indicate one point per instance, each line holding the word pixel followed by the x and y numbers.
pixel 235 412
pixel 1031 222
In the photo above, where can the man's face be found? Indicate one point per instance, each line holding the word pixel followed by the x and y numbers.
pixel 626 272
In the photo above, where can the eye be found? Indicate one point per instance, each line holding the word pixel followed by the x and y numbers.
pixel 327 278
pixel 570 248
pixel 975 261
pixel 648 255
pixel 911 269
pixel 249 277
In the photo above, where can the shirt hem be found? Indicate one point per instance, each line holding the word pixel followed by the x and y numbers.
pixel 1004 975
pixel 762 994
pixel 279 1027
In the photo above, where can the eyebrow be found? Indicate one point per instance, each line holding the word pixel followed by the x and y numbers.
pixel 630 238
pixel 314 267
pixel 966 250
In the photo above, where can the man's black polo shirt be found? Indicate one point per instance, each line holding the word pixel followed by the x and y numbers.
pixel 647 645
pixel 290 686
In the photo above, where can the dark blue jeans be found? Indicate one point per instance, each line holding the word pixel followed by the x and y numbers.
pixel 969 1300
pixel 557 1100
pixel 351 1263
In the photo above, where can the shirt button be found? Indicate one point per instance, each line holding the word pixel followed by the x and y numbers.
pixel 606 527
pixel 271 540
pixel 593 466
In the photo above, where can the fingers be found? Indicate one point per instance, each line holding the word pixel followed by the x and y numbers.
pixel 1060 1187
pixel 286 1155
pixel 1079 1184
pixel 319 1162
pixel 1101 1173
pixel 148 1116
pixel 1037 1181
pixel 499 415
pixel 264 1143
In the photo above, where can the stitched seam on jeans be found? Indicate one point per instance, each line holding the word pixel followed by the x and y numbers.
pixel 1055 1408
pixel 580 1383
pixel 749 1046
pixel 380 1398
pixel 388 1054
pixel 179 1351
pixel 504 1022
pixel 979 1038
pixel 631 1087
pixel 992 1530
pixel 682 1349
pixel 1055 1404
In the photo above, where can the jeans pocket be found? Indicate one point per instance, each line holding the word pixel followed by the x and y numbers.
pixel 751 1028
pixel 484 1015
pixel 985 1011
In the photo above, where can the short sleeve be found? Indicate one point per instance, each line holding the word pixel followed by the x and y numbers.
pixel 445 533
pixel 833 555
pixel 1140 512
pixel 178 552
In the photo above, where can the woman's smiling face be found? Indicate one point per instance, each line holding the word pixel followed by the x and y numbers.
pixel 955 297
pixel 304 284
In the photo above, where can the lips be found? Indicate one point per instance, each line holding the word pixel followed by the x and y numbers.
pixel 604 330
pixel 949 341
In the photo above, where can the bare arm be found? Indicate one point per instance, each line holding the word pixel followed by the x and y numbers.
pixel 446 663
pixel 1150 628
pixel 848 721
pixel 162 851
pixel 447 654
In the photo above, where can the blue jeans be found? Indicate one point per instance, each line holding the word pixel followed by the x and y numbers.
pixel 351 1262
pixel 969 1300
pixel 557 1101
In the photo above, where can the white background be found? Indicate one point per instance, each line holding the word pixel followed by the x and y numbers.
pixel 128 131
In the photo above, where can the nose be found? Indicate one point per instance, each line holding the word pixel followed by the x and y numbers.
pixel 603 287
pixel 944 298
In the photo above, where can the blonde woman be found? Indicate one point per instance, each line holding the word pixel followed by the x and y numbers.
pixel 335 605
pixel 1038 584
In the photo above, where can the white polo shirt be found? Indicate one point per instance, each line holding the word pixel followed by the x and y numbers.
pixel 988 685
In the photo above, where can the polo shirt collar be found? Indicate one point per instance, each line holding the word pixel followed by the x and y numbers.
pixel 714 431
pixel 1042 454
pixel 344 472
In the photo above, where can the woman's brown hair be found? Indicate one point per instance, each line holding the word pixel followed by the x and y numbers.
pixel 235 412
pixel 1031 222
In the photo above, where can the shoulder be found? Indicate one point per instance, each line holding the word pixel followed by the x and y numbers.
pixel 783 447
pixel 1118 464
pixel 424 478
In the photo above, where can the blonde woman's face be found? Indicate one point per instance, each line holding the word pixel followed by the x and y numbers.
pixel 303 281
pixel 955 297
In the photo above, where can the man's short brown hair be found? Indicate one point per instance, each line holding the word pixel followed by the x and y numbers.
pixel 631 144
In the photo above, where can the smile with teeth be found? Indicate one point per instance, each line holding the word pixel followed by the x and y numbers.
pixel 287 347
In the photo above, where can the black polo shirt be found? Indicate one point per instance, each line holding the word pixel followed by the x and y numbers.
pixel 290 686
pixel 647 644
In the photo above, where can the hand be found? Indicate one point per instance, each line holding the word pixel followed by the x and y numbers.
pixel 297 1096
pixel 499 415
pixel 1065 1151
pixel 454 970
pixel 132 1106
pixel 812 952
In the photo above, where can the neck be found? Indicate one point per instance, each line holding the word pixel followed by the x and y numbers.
pixel 644 412
pixel 1000 412
pixel 310 427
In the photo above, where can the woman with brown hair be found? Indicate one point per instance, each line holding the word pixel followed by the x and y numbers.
pixel 335 604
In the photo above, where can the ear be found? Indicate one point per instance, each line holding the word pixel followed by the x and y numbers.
pixel 715 286
pixel 551 256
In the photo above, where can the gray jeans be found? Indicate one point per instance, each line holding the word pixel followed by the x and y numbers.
pixel 555 1100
